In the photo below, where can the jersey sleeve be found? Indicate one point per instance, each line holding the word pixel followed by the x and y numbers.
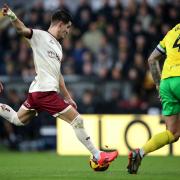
pixel 35 37
pixel 161 47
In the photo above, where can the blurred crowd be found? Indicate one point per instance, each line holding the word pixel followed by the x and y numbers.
pixel 109 42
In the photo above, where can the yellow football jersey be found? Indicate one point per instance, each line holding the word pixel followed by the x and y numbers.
pixel 170 46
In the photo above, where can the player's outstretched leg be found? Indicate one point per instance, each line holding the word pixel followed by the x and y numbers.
pixel 156 142
pixel 134 161
pixel 76 121
pixel 10 115
pixel 100 156
pixel 20 118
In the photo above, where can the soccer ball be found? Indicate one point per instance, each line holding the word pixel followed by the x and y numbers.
pixel 96 167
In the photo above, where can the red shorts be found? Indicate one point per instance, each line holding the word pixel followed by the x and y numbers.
pixel 50 102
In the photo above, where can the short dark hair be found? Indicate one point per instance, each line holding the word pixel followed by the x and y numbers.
pixel 61 15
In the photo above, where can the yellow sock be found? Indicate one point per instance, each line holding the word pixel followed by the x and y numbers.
pixel 158 141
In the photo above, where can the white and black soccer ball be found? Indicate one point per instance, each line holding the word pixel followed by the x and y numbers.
pixel 97 167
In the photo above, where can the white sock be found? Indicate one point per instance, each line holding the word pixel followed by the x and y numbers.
pixel 10 115
pixel 81 134
pixel 141 152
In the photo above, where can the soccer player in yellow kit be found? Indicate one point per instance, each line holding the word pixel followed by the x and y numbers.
pixel 168 84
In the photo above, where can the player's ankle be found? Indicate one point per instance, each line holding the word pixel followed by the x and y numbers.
pixel 97 155
pixel 141 153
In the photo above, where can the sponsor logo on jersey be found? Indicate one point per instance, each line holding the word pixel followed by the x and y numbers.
pixel 54 55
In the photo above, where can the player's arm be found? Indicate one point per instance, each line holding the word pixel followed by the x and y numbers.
pixel 153 62
pixel 64 92
pixel 18 25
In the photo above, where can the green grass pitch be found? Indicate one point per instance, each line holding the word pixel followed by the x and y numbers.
pixel 49 166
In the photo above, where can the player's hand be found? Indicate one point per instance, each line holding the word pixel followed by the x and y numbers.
pixel 160 98
pixel 71 102
pixel 6 11
pixel 1 87
pixel 157 87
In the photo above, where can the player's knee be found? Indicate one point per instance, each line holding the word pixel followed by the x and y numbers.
pixel 78 122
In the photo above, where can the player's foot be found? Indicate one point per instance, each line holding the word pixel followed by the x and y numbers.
pixel 107 157
pixel 134 161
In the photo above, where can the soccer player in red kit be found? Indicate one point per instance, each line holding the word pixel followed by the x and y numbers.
pixel 44 90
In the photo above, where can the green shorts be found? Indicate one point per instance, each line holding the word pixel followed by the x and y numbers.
pixel 170 95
